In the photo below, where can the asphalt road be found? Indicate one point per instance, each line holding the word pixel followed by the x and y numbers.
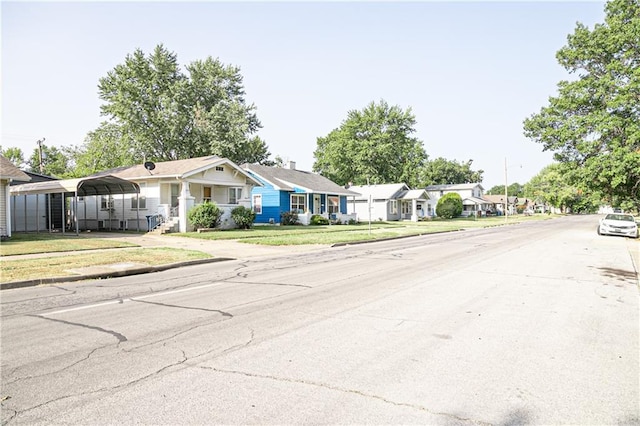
pixel 534 323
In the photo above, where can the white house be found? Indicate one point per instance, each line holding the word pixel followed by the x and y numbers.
pixel 395 201
pixel 169 189
pixel 472 194
pixel 8 174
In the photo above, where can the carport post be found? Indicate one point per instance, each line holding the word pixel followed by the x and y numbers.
pixel 123 219
pixel 75 212
pixel 37 213
pixel 63 213
pixel 25 212
pixel 49 219
pixel 137 212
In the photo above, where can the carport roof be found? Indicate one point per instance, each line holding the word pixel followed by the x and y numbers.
pixel 101 185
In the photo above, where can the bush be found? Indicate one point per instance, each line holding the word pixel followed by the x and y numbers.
pixel 206 215
pixel 243 217
pixel 316 219
pixel 449 206
pixel 289 218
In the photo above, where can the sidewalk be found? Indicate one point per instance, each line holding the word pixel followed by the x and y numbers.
pixel 221 250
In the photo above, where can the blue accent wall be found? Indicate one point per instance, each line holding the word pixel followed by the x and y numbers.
pixel 274 202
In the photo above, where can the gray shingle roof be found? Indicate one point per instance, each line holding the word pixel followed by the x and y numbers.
pixel 9 171
pixel 286 179
pixel 175 168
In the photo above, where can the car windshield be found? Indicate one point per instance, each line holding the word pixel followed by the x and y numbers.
pixel 625 217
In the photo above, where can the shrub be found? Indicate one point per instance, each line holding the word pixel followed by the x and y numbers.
pixel 243 217
pixel 316 219
pixel 206 215
pixel 353 222
pixel 449 206
pixel 289 218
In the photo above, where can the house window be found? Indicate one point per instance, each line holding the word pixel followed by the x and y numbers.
pixel 106 202
pixel 393 207
pixel 175 194
pixel 298 203
pixel 257 204
pixel 235 194
pixel 206 194
pixel 219 169
pixel 333 205
pixel 141 200
pixel 406 207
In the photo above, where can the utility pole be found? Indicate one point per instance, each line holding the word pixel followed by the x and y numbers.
pixel 40 141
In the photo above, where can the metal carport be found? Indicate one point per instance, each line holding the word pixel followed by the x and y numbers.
pixel 80 187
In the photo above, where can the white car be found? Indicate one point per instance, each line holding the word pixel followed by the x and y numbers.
pixel 618 224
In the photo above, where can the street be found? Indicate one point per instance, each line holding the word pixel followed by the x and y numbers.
pixel 536 323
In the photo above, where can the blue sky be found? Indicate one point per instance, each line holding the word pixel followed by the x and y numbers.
pixel 470 71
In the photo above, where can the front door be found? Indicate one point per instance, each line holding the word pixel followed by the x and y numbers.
pixel 316 204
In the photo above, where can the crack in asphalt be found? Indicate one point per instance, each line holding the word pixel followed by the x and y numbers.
pixel 121 338
pixel 120 386
pixel 19 379
pixel 262 283
pixel 223 313
pixel 346 390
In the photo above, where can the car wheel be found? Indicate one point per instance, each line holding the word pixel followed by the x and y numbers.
pixel 599 233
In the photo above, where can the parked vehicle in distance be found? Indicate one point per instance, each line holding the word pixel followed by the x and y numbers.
pixel 618 224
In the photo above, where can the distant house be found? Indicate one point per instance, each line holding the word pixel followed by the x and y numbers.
pixel 286 189
pixel 142 197
pixel 8 174
pixel 472 194
pixel 395 201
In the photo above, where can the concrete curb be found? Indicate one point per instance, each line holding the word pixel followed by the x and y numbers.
pixel 122 273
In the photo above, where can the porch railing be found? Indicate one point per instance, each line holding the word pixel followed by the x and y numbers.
pixel 153 221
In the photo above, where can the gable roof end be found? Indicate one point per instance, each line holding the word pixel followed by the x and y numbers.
pixel 10 172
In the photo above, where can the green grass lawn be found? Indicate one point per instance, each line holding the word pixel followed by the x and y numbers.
pixel 334 234
pixel 28 243
pixel 60 266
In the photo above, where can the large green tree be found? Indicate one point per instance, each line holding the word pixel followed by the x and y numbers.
pixel 55 162
pixel 513 190
pixel 167 114
pixel 104 148
pixel 593 124
pixel 552 186
pixel 442 171
pixel 375 145
pixel 14 155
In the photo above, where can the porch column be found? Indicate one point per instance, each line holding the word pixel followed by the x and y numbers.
pixel 414 210
pixel 185 203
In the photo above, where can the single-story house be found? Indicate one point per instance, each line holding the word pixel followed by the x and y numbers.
pixel 169 189
pixel 8 174
pixel 286 189
pixel 394 201
pixel 472 194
